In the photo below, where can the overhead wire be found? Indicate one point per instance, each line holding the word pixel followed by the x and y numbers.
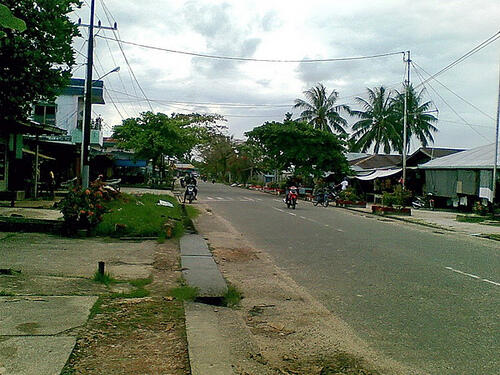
pixel 454 93
pixel 468 54
pixel 448 105
pixel 117 38
pixel 196 54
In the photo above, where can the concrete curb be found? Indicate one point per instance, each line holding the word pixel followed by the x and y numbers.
pixel 207 348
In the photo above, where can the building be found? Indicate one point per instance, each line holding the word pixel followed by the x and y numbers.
pixel 462 177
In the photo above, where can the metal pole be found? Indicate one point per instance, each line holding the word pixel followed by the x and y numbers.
pixel 37 170
pixel 88 101
pixel 405 117
pixel 495 162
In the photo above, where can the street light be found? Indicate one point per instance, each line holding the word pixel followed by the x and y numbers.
pixel 84 155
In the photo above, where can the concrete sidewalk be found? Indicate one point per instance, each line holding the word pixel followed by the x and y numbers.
pixel 442 219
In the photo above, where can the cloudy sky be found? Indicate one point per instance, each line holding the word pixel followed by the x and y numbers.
pixel 250 93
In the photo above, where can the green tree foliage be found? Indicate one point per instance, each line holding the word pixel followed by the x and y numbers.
pixel 8 21
pixel 153 136
pixel 321 110
pixel 420 120
pixel 299 145
pixel 376 126
pixel 35 63
pixel 216 155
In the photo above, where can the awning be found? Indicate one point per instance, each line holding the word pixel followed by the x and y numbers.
pixel 39 155
pixel 379 174
pixel 130 163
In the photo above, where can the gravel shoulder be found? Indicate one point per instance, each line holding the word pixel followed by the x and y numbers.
pixel 279 327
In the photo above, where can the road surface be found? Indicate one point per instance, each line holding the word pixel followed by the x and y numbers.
pixel 423 297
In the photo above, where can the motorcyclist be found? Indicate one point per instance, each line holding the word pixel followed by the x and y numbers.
pixel 190 180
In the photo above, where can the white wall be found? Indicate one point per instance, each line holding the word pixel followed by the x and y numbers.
pixel 67 112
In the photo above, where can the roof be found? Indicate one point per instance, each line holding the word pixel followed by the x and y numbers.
pixel 376 161
pixel 76 87
pixel 350 156
pixel 477 158
pixel 30 127
pixel 381 173
pixel 430 153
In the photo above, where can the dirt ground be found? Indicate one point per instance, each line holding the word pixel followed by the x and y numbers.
pixel 137 335
pixel 285 330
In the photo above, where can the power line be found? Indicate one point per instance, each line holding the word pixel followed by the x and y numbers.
pixel 254 59
pixel 479 47
pixel 449 106
pixel 454 93
pixel 117 38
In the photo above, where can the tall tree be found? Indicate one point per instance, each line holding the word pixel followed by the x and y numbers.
pixel 299 145
pixel 420 119
pixel 377 124
pixel 153 136
pixel 35 63
pixel 321 111
pixel 7 20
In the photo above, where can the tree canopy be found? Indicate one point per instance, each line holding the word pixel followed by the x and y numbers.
pixel 7 20
pixel 153 136
pixel 321 110
pixel 35 63
pixel 297 144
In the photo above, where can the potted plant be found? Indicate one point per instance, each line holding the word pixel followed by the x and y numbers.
pixel 349 198
pixel 394 203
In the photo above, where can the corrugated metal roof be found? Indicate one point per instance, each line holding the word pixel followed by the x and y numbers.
pixel 476 158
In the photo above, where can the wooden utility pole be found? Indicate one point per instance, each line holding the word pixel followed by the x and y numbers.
pixel 405 115
pixel 495 162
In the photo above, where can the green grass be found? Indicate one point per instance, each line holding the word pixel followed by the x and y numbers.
pixel 104 278
pixel 136 293
pixel 232 297
pixel 140 283
pixel 3 293
pixel 139 216
pixel 471 219
pixel 184 293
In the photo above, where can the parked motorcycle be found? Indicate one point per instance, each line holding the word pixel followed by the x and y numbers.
pixel 423 202
pixel 190 193
pixel 324 197
pixel 291 197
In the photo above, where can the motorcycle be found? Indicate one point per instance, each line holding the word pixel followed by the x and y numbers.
pixel 291 197
pixel 189 194
pixel 324 197
pixel 423 202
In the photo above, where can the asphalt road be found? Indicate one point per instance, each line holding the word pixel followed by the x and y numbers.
pixel 425 298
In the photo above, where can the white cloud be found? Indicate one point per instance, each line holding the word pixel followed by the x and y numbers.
pixel 435 32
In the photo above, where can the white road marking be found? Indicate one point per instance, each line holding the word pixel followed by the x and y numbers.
pixel 259 199
pixel 278 209
pixel 291 213
pixel 339 230
pixel 303 217
pixel 220 198
pixel 473 276
pixel 209 198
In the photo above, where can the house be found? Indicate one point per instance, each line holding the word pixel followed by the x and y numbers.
pixel 66 112
pixel 462 177
pixel 15 171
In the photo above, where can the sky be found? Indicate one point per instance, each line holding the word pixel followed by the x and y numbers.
pixel 249 93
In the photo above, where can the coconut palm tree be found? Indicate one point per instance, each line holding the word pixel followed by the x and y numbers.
pixel 419 121
pixel 321 111
pixel 376 125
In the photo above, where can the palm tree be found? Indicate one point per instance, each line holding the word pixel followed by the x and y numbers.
pixel 377 125
pixel 320 110
pixel 420 120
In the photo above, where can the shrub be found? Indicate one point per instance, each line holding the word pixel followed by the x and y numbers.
pixel 480 209
pixel 399 198
pixel 349 194
pixel 83 208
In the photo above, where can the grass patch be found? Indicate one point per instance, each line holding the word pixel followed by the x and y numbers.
pixel 344 363
pixel 184 293
pixel 3 293
pixel 192 212
pixel 471 219
pixel 493 236
pixel 136 293
pixel 141 283
pixel 139 216
pixel 232 297
pixel 104 278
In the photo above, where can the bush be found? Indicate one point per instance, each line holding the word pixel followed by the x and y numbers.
pixel 349 194
pixel 480 209
pixel 83 208
pixel 399 198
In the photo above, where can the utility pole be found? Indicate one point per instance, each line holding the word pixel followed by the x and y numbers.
pixel 495 162
pixel 84 163
pixel 405 115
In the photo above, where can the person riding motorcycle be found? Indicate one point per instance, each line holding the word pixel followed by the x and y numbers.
pixel 190 180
